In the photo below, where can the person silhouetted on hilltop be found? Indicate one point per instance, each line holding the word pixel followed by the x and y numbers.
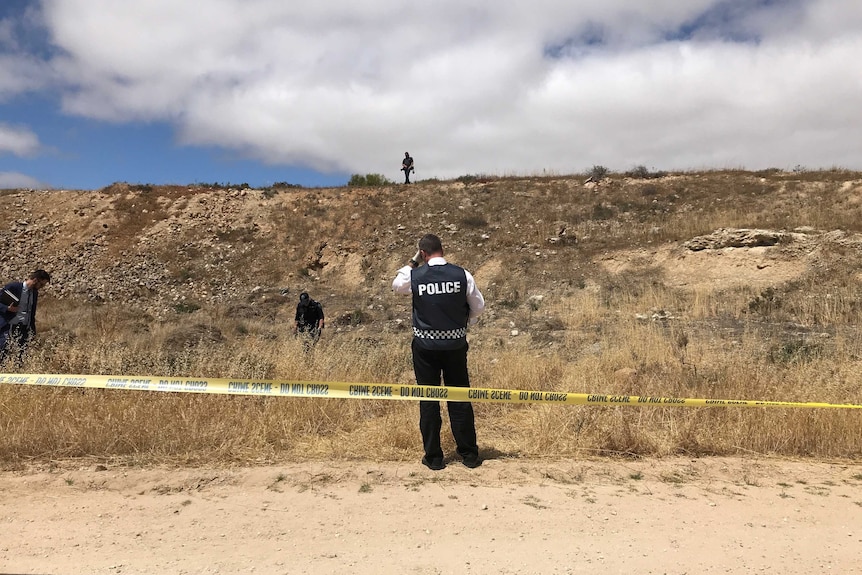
pixel 407 167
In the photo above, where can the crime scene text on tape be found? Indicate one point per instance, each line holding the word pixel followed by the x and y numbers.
pixel 347 390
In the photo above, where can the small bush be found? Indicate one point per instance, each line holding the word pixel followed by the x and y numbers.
pixel 271 191
pixel 642 173
pixel 764 304
pixel 598 173
pixel 358 180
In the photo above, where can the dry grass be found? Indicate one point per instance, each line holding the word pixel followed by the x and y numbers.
pixel 683 360
pixel 795 342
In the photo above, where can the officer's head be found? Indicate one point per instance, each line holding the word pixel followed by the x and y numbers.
pixel 430 246
pixel 304 299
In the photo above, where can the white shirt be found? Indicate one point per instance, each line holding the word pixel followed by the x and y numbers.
pixel 401 284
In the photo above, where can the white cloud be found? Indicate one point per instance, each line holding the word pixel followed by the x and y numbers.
pixel 21 74
pixel 14 180
pixel 471 86
pixel 18 141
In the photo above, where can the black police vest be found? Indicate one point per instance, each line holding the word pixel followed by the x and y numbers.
pixel 440 309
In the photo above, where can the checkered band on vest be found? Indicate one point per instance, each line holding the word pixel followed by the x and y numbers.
pixel 438 334
pixel 440 310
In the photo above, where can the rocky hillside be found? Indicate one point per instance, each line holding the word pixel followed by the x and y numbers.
pixel 180 248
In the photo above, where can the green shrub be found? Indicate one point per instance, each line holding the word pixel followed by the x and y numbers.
pixel 642 173
pixel 368 180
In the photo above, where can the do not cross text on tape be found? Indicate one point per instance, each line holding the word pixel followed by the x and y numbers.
pixel 386 391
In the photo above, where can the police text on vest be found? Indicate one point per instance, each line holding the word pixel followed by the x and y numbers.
pixel 439 288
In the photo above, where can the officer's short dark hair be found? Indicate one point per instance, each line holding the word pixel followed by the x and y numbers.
pixel 430 244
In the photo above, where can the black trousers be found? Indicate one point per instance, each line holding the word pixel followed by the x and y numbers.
pixel 15 338
pixel 429 365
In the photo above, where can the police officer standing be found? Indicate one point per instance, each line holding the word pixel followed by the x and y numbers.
pixel 445 300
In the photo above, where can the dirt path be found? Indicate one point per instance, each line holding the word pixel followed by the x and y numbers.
pixel 671 516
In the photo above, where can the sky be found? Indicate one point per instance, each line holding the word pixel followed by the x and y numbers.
pixel 308 92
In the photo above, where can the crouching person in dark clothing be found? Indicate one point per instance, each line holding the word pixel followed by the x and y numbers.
pixel 445 301
pixel 309 318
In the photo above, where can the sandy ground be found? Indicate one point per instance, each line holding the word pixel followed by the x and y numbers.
pixel 510 516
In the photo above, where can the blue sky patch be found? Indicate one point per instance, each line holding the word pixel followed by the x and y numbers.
pixel 588 38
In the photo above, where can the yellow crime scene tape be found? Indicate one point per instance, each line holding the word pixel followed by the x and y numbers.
pixel 347 390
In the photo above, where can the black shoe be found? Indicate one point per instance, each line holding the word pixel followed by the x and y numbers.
pixel 472 462
pixel 434 464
